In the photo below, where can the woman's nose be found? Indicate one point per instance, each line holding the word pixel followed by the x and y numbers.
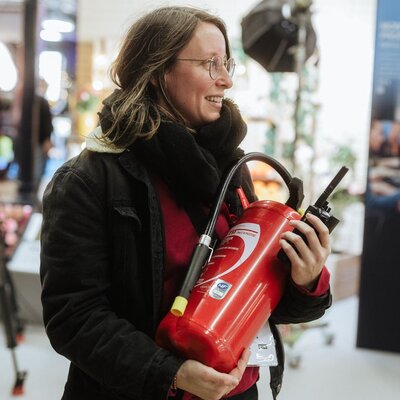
pixel 224 79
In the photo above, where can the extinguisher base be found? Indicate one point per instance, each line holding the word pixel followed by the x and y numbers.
pixel 192 341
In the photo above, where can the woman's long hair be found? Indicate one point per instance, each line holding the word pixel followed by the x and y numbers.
pixel 148 51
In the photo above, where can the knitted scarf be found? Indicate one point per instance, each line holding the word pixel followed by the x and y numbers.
pixel 192 164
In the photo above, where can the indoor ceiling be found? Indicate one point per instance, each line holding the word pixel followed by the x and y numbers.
pixel 11 16
pixel 10 20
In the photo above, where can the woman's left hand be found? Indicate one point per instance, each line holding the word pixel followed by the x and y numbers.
pixel 307 259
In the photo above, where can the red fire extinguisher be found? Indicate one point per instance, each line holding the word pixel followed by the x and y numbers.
pixel 229 293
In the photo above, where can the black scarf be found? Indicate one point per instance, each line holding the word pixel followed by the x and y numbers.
pixel 192 164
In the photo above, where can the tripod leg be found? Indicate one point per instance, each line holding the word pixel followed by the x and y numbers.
pixel 18 388
pixel 9 322
pixel 19 326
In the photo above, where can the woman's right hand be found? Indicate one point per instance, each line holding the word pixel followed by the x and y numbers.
pixel 207 383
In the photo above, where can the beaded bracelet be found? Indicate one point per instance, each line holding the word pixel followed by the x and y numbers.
pixel 173 387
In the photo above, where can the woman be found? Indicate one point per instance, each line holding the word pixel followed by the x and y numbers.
pixel 120 218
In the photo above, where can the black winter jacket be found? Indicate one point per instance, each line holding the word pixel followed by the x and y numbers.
pixel 102 260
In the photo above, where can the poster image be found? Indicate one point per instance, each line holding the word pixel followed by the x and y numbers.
pixel 379 300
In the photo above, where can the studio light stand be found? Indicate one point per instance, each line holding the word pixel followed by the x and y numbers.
pixel 279 35
pixel 301 11
pixel 10 318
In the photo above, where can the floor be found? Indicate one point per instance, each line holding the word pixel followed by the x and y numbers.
pixel 340 370
pixel 325 371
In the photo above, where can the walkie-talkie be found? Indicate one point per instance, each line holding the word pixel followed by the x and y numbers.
pixel 320 209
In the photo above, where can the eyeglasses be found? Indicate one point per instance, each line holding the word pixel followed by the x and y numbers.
pixel 215 65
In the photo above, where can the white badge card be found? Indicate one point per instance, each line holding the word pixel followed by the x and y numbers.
pixel 263 351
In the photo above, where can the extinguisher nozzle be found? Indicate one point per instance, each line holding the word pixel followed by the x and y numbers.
pixel 179 306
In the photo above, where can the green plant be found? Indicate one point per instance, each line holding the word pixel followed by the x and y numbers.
pixel 87 102
pixel 344 155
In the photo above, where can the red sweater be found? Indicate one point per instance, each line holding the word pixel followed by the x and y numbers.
pixel 180 240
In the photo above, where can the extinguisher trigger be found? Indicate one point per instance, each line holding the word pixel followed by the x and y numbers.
pixel 210 255
pixel 211 247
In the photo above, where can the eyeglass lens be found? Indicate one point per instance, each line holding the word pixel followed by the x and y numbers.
pixel 216 64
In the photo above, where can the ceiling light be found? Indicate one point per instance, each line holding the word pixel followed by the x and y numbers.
pixel 58 25
pixel 50 36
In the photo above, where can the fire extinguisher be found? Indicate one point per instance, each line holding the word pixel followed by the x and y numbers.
pixel 230 292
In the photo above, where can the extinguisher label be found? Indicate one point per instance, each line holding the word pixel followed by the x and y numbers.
pixel 235 249
pixel 219 289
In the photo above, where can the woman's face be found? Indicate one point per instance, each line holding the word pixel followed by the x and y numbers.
pixel 188 83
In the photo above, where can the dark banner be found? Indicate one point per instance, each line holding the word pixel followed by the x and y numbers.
pixel 379 306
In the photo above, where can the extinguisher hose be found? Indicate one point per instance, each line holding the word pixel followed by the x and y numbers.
pixel 282 171
pixel 203 251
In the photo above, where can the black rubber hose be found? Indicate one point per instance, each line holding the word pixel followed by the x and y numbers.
pixel 282 171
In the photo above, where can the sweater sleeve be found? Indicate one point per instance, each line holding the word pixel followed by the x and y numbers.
pixel 321 287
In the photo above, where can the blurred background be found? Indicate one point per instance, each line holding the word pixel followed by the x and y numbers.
pixel 317 83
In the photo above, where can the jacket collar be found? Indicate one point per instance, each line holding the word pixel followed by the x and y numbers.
pixel 126 157
pixel 96 144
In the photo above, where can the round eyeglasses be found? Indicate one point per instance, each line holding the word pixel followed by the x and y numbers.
pixel 215 65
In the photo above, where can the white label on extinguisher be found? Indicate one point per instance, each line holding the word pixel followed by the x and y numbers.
pixel 249 233
pixel 263 350
pixel 219 289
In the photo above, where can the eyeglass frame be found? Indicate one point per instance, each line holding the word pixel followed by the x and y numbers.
pixel 210 61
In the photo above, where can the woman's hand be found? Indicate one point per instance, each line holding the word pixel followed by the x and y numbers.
pixel 207 383
pixel 307 260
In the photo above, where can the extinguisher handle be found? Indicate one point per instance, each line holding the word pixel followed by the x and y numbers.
pixel 200 257
pixel 329 220
pixel 320 209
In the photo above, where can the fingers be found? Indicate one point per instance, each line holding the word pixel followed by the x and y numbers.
pixel 241 365
pixel 205 382
pixel 240 368
pixel 321 228
pixel 315 231
pixel 316 236
pixel 308 255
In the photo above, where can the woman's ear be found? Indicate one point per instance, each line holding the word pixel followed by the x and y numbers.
pixel 153 81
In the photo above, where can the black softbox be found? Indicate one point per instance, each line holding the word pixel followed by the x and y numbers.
pixel 271 39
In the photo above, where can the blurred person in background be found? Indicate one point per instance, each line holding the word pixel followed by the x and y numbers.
pixel 41 140
pixel 6 142
pixel 119 219
pixel 45 143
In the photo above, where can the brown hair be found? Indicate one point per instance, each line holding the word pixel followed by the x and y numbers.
pixel 148 51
